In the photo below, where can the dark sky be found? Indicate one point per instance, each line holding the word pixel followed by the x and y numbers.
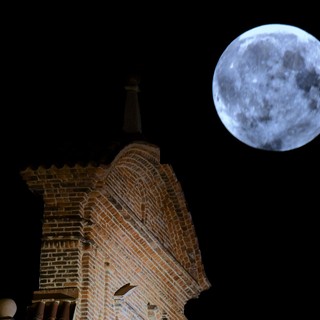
pixel 63 98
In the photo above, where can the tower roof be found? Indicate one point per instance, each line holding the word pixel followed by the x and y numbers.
pixel 90 148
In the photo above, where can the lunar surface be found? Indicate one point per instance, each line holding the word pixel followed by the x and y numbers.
pixel 266 87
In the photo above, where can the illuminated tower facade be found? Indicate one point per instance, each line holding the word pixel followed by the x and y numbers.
pixel 118 240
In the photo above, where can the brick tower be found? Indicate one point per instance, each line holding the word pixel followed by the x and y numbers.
pixel 118 241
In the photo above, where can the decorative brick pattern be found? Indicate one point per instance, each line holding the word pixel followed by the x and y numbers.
pixel 127 223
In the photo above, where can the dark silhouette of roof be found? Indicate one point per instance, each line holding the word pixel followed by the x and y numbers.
pixel 65 148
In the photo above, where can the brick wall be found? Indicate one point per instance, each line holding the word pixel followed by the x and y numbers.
pixel 120 236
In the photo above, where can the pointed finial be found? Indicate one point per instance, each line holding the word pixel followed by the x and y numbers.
pixel 132 118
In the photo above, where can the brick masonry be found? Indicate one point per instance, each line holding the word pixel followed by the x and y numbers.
pixel 118 239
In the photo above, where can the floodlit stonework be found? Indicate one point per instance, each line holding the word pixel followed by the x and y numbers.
pixel 118 240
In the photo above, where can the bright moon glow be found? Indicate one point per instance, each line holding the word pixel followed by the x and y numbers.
pixel 266 87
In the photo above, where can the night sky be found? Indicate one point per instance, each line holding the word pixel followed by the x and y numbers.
pixel 254 211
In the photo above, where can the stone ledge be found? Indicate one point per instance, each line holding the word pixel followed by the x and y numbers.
pixel 56 294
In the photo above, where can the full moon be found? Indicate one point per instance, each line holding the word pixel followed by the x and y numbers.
pixel 266 87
